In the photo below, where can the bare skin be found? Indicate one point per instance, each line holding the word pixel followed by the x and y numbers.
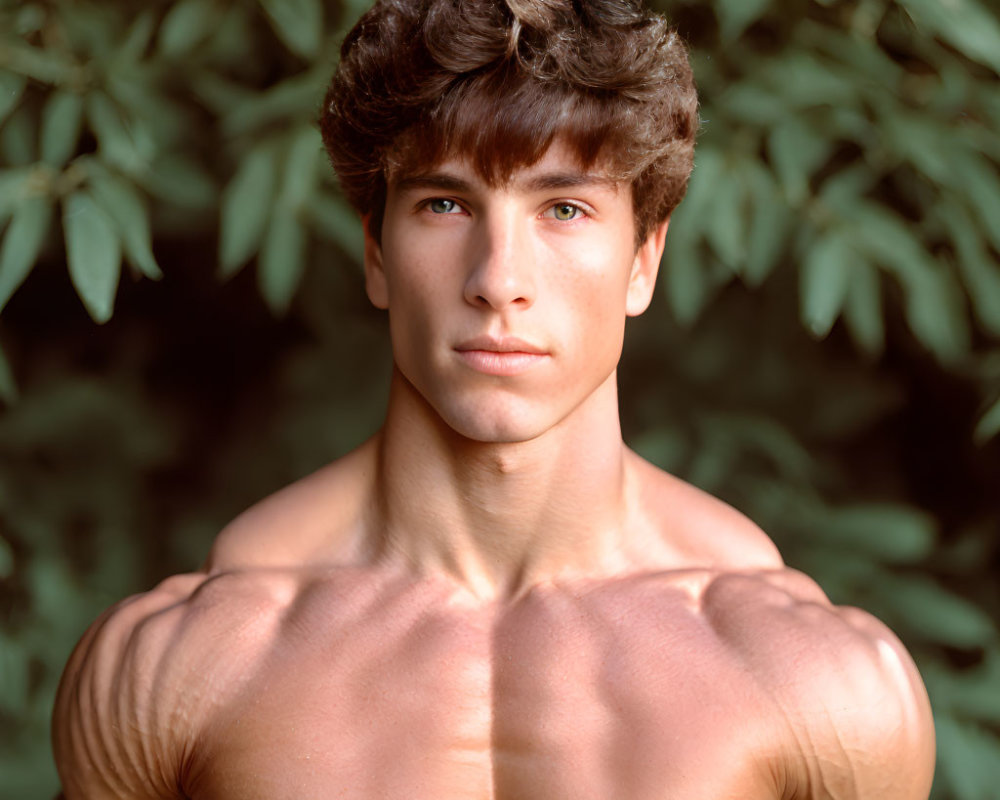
pixel 495 598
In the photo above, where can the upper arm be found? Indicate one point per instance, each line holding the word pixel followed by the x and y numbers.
pixel 854 720
pixel 872 734
pixel 119 726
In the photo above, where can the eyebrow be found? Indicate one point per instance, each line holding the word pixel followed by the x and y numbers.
pixel 447 182
pixel 432 180
pixel 569 180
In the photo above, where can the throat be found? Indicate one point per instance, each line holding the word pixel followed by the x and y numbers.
pixel 498 515
pixel 500 518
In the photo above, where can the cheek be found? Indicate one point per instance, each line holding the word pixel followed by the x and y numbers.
pixel 596 291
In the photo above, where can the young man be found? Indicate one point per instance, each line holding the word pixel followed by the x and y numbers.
pixel 495 598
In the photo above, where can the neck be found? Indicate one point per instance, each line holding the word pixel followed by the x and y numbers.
pixel 499 517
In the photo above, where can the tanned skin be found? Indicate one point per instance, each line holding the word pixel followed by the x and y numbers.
pixel 494 598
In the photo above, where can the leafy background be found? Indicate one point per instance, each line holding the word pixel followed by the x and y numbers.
pixel 183 323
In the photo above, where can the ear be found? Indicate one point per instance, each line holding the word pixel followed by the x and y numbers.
pixel 642 279
pixel 375 283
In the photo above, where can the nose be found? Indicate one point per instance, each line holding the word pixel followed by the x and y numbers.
pixel 501 273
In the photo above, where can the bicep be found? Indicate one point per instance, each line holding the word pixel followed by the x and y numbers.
pixel 114 732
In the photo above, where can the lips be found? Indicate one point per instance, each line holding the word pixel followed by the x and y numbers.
pixel 503 344
pixel 503 356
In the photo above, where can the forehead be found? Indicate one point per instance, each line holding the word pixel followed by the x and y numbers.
pixel 558 167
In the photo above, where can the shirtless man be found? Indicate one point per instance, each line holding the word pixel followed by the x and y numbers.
pixel 494 598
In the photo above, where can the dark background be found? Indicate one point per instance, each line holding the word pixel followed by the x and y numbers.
pixel 824 352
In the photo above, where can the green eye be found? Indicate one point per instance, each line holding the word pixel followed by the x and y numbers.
pixel 442 206
pixel 565 211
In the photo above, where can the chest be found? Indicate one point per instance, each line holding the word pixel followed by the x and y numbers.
pixel 550 701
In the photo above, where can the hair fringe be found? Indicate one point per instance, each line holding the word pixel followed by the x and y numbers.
pixel 422 80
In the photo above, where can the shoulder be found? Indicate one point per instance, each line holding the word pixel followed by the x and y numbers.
pixel 704 531
pixel 855 721
pixel 145 678
pixel 314 520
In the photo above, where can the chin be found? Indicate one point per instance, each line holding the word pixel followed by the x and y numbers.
pixel 492 426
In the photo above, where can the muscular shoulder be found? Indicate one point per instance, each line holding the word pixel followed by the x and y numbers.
pixel 144 680
pixel 704 531
pixel 315 520
pixel 851 707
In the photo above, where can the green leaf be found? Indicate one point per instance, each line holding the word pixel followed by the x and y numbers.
pixel 686 280
pixel 796 151
pixel 973 693
pixel 93 252
pixel 935 312
pixel 117 146
pixel 334 219
pixel 236 36
pixel 889 239
pixel 980 273
pixel 246 203
pixel 888 532
pixel 22 244
pixel 977 179
pixel 282 260
pixel 179 180
pixel 12 185
pixel 18 138
pixel 934 308
pixel 301 168
pixel 988 425
pixel 969 758
pixel 713 463
pixel 761 435
pixel 295 97
pixel 664 446
pixel 88 29
pixel 222 96
pixel 50 65
pixel 186 25
pixel 749 102
pixel 802 80
pixel 15 684
pixel 11 89
pixel 127 209
pixel 850 49
pixel 974 31
pixel 919 604
pixel 353 9
pixel 736 15
pixel 726 225
pixel 924 141
pixel 862 310
pixel 136 41
pixel 844 191
pixel 299 24
pixel 826 274
pixel 769 226
pixel 707 179
pixel 153 120
pixel 9 394
pixel 30 19
pixel 61 121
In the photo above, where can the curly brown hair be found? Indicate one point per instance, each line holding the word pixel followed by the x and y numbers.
pixel 498 81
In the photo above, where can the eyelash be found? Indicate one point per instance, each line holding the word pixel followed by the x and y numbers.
pixel 579 210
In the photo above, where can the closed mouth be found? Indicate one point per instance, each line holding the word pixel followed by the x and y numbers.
pixel 503 344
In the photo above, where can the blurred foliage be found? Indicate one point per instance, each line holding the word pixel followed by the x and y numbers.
pixel 825 353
